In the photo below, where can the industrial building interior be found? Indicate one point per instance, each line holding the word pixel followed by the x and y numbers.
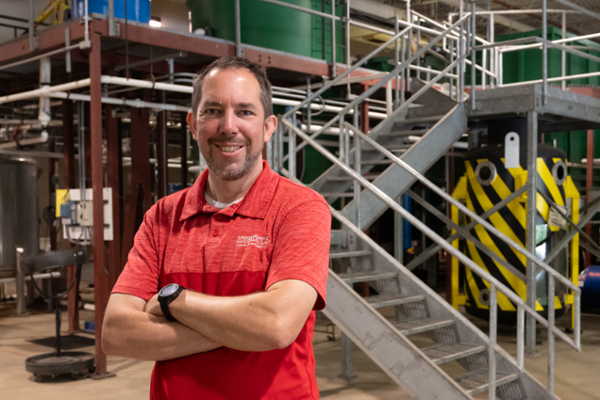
pixel 465 250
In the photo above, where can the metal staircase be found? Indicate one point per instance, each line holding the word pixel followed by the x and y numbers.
pixel 424 333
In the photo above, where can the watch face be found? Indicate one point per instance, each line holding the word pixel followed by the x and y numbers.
pixel 168 290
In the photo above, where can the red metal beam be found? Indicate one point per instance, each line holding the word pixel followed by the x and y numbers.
pixel 288 63
pixel 114 173
pixel 139 199
pixel 49 39
pixel 156 37
pixel 589 182
pixel 100 279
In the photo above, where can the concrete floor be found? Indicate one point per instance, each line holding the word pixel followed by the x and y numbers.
pixel 576 373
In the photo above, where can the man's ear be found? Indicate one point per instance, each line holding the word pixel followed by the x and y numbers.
pixel 269 127
pixel 191 121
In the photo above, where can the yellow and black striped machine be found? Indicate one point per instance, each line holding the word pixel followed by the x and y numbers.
pixel 486 183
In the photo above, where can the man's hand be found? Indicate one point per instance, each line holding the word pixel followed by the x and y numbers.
pixel 131 331
pixel 153 306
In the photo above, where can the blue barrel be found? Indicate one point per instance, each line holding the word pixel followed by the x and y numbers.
pixel 589 282
pixel 137 10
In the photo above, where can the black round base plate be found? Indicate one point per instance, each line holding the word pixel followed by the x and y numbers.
pixel 75 363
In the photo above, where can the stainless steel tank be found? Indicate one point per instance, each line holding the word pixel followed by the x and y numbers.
pixel 18 210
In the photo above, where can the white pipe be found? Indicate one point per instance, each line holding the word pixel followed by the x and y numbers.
pixel 45 91
pixel 54 91
pixel 44 101
pixel 45 275
pixel 132 103
pixel 26 142
pixel 115 80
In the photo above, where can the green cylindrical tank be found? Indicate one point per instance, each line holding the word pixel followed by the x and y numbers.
pixel 269 25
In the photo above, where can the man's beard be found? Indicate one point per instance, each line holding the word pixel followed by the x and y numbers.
pixel 249 161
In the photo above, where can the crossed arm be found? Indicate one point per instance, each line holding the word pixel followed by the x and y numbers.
pixel 256 322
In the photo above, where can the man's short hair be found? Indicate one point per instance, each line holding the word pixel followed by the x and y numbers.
pixel 225 63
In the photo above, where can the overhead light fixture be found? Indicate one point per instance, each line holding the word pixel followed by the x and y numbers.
pixel 155 22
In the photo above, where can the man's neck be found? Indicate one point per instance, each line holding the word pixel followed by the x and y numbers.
pixel 229 191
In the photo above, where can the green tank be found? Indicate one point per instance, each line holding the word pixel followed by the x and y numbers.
pixel 270 25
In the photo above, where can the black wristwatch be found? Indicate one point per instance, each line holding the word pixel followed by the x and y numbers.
pixel 166 296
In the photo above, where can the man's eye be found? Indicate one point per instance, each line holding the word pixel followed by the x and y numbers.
pixel 246 113
pixel 210 111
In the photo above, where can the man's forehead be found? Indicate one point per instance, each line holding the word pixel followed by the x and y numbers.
pixel 217 87
pixel 242 74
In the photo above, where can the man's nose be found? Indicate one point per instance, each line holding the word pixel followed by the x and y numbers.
pixel 228 122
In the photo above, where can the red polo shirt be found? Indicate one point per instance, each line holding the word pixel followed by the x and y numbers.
pixel 279 231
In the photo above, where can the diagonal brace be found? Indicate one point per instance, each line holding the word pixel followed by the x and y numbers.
pixel 561 245
pixel 578 229
pixel 463 232
pixel 436 247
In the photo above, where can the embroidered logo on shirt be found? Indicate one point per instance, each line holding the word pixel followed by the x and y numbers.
pixel 253 240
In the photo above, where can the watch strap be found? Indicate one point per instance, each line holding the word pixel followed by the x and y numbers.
pixel 166 300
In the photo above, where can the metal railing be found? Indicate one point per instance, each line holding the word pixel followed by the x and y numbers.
pixel 459 40
pixel 495 284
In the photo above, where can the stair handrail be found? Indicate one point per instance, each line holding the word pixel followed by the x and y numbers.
pixel 333 82
pixel 502 236
pixel 359 99
pixel 495 284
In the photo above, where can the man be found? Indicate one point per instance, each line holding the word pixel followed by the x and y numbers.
pixel 249 251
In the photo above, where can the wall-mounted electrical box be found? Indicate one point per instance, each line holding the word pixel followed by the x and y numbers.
pixel 77 216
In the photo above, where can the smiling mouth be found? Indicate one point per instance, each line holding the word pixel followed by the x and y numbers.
pixel 229 149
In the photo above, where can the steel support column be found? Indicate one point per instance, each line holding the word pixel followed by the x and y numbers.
pixel 532 143
pixel 589 182
pixel 114 173
pixel 68 131
pixel 101 292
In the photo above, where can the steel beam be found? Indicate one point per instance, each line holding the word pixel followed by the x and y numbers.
pixel 101 292
pixel 532 177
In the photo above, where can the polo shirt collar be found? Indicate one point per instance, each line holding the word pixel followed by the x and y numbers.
pixel 254 205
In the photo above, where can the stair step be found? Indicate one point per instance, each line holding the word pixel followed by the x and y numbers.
pixel 415 132
pixel 421 120
pixel 478 381
pixel 445 352
pixel 422 325
pixel 369 276
pixel 392 299
pixel 349 254
pixel 394 147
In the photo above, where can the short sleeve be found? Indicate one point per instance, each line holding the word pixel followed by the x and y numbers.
pixel 301 247
pixel 140 277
